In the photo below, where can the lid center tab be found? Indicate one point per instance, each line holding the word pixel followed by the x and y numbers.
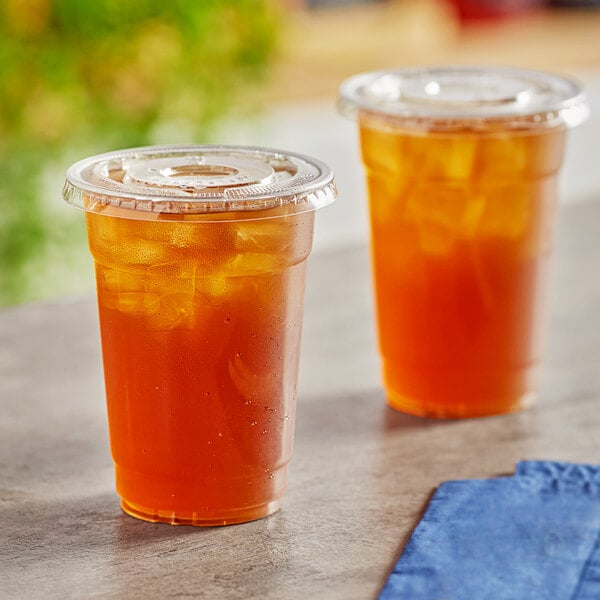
pixel 197 172
pixel 470 89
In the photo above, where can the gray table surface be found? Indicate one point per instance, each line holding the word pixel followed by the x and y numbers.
pixel 361 474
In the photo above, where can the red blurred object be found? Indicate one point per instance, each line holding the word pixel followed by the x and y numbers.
pixel 476 10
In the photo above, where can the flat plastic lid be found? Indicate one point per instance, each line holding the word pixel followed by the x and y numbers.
pixel 465 93
pixel 199 179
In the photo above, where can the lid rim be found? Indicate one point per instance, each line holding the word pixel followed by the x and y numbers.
pixel 149 199
pixel 355 96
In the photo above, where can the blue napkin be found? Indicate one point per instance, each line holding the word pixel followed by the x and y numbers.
pixel 535 535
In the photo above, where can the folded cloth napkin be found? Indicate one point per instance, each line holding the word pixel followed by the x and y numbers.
pixel 535 535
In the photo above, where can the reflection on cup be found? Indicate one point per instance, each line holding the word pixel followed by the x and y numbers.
pixel 200 255
pixel 461 166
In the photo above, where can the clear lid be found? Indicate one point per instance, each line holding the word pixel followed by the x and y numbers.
pixel 199 179
pixel 459 94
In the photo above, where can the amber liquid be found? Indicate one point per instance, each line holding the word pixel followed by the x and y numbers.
pixel 200 326
pixel 461 225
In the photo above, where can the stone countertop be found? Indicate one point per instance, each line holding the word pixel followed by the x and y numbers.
pixel 361 474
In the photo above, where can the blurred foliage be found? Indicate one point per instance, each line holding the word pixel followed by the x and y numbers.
pixel 82 77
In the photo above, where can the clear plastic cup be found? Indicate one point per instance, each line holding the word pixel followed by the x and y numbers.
pixel 461 166
pixel 200 255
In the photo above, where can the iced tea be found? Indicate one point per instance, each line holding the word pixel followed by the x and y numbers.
pixel 200 255
pixel 461 236
pixel 461 165
pixel 200 327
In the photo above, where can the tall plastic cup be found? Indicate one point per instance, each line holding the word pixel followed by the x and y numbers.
pixel 461 166
pixel 200 255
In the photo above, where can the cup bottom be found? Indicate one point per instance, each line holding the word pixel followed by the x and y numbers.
pixel 232 517
pixel 200 501
pixel 453 393
pixel 464 410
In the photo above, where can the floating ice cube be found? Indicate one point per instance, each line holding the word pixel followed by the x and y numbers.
pixel 383 151
pixel 131 302
pixel 503 156
pixel 182 235
pixel 263 235
pixel 251 384
pixel 508 208
pixel 216 286
pixel 142 252
pixel 255 264
pixel 115 280
pixel 444 213
pixel 124 291
pixel 175 310
pixel 171 277
pixel 452 158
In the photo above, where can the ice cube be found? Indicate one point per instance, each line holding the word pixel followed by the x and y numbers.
pixel 451 157
pixel 171 277
pixel 255 264
pixel 444 213
pixel 260 235
pixel 131 302
pixel 115 280
pixel 503 156
pixel 174 311
pixel 433 202
pixel 249 382
pixel 124 291
pixel 387 196
pixel 507 209
pixel 204 239
pixel 381 150
pixel 472 215
pixel 182 235
pixel 142 252
pixel 135 302
pixel 215 287
pixel 127 252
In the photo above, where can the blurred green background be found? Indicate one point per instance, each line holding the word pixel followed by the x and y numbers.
pixel 79 77
pixel 82 77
